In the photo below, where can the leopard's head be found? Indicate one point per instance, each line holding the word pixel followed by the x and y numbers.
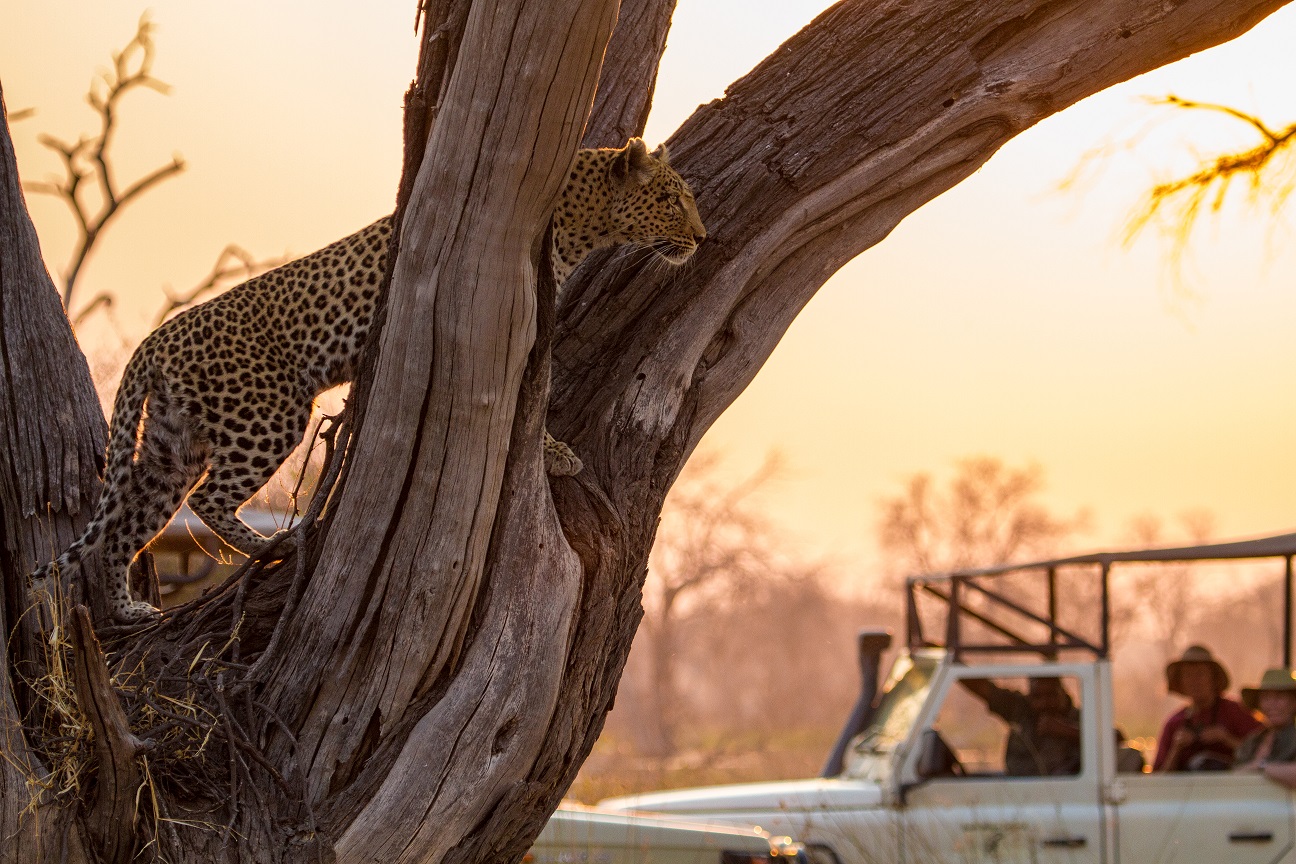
pixel 650 204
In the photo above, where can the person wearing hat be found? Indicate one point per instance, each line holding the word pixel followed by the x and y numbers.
pixel 1272 749
pixel 1203 735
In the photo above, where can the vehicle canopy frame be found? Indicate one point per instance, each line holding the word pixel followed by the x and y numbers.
pixel 1003 617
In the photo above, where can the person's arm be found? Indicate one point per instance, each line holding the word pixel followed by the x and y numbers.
pixel 1005 703
pixel 1170 744
pixel 1251 754
pixel 1234 725
pixel 1218 734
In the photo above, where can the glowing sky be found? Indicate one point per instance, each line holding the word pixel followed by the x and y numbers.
pixel 1004 318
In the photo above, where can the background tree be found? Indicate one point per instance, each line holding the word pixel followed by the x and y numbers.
pixel 87 164
pixel 1177 607
pixel 419 676
pixel 90 188
pixel 713 545
pixel 989 513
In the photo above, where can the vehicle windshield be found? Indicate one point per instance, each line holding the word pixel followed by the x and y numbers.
pixel 869 756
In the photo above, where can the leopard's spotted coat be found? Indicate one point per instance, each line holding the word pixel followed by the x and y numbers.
pixel 215 399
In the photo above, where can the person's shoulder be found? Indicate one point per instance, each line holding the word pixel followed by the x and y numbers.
pixel 1178 717
pixel 1284 746
pixel 1232 706
pixel 1237 712
pixel 1004 700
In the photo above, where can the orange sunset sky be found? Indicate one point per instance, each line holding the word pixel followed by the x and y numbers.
pixel 1004 318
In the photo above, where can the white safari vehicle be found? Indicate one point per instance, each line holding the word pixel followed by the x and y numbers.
pixel 940 768
pixel 586 835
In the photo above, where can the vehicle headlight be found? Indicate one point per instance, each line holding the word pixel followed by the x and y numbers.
pixel 782 851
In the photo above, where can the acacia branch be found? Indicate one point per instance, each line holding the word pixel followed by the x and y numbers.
pixel 233 263
pixel 1206 188
pixel 101 300
pixel 89 159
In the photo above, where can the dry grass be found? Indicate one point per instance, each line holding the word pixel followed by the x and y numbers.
pixel 709 758
pixel 190 742
pixel 64 733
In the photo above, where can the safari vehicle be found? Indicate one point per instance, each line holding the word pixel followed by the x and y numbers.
pixel 586 835
pixel 926 774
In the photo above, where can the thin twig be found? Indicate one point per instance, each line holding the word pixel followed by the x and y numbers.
pixel 89 159
pixel 1207 187
pixel 234 262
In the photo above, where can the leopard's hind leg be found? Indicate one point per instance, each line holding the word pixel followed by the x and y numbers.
pixel 242 466
pixel 169 460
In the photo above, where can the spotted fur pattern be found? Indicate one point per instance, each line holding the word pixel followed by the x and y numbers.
pixel 215 399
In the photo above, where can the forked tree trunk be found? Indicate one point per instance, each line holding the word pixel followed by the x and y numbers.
pixel 452 636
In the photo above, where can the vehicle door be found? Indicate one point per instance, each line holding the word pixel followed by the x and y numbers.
pixel 1188 817
pixel 990 780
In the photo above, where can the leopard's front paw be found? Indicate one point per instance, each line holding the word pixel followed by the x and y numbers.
pixel 136 612
pixel 559 459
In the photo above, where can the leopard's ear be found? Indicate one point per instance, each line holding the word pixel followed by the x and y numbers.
pixel 632 166
pixel 661 154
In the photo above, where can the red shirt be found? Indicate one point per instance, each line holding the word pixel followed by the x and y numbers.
pixel 1225 712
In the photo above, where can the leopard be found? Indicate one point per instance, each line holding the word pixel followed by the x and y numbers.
pixel 215 399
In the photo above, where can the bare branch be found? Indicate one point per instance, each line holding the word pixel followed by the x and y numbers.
pixel 234 262
pixel 1264 168
pixel 89 158
pixel 99 301
pixel 177 165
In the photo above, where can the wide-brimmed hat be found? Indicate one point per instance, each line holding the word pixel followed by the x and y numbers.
pixel 1196 654
pixel 1273 679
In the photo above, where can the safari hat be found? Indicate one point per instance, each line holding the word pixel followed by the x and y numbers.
pixel 1273 679
pixel 1197 654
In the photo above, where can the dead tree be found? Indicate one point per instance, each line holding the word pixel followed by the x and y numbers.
pixel 417 676
pixel 92 193
pixel 88 163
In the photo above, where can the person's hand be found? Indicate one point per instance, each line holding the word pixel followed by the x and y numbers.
pixel 1217 735
pixel 1257 762
pixel 1183 737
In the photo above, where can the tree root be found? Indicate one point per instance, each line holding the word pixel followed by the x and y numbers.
pixel 111 821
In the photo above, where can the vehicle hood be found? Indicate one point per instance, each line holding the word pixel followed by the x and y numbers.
pixel 782 796
pixel 589 829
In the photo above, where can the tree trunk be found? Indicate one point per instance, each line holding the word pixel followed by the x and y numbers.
pixel 52 436
pixel 420 679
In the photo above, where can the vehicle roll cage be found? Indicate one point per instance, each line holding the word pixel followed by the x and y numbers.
pixel 1003 616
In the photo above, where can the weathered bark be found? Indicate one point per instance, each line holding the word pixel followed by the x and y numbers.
pixel 111 816
pixel 429 460
pixel 463 620
pixel 629 73
pixel 52 436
